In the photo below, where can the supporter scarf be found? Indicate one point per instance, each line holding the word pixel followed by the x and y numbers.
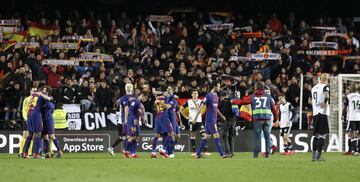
pixel 75 37
pixel 218 26
pixel 265 56
pixel 91 56
pixel 27 44
pixel 324 28
pixel 239 58
pixel 161 18
pixel 11 22
pixel 60 62
pixel 334 34
pixel 252 34
pixel 248 28
pixel 6 29
pixel 352 57
pixel 63 46
pixel 320 44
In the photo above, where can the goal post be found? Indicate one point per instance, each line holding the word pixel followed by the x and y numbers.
pixel 345 81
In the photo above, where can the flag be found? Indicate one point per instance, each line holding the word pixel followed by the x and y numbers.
pixel 41 30
pixel 12 39
pixel 246 112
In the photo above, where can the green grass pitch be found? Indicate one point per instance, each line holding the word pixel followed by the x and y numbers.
pixel 89 167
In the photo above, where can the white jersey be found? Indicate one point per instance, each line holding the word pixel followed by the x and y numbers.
pixel 193 109
pixel 285 115
pixel 353 107
pixel 318 98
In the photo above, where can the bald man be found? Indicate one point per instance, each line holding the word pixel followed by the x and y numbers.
pixel 320 102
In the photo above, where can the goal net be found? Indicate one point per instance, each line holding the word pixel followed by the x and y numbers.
pixel 339 89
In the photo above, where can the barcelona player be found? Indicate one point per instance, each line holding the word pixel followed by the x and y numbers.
pixel 136 112
pixel 49 130
pixel 34 121
pixel 121 125
pixel 163 127
pixel 211 102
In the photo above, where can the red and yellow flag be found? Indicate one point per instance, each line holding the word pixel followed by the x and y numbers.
pixel 246 112
pixel 41 30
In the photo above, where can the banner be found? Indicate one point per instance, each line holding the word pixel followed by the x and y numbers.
pixel 60 62
pixel 12 39
pixel 99 120
pixel 73 113
pixel 41 30
pixel 98 141
pixel 84 142
pixel 27 44
pixel 325 52
pixel 218 26
pixel 91 56
pixel 63 46
pixel 265 56
pixel 10 22
pixel 320 44
pixel 145 143
pixel 161 18
pixel 8 29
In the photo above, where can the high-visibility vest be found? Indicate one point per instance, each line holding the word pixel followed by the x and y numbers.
pixel 60 121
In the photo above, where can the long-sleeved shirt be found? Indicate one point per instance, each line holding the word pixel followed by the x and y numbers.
pixel 252 99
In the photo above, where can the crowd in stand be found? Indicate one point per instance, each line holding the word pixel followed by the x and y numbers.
pixel 181 52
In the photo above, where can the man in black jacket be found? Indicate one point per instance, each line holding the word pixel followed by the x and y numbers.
pixel 103 97
pixel 228 126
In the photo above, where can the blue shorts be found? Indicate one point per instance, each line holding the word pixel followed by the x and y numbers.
pixel 133 130
pixel 49 127
pixel 210 128
pixel 34 123
pixel 162 126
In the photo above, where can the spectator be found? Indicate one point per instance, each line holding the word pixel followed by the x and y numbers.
pixel 85 97
pixel 103 97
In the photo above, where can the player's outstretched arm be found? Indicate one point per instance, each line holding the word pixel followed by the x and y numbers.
pixel 246 100
pixel 221 115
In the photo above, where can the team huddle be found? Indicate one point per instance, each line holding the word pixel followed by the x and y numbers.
pixel 38 114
